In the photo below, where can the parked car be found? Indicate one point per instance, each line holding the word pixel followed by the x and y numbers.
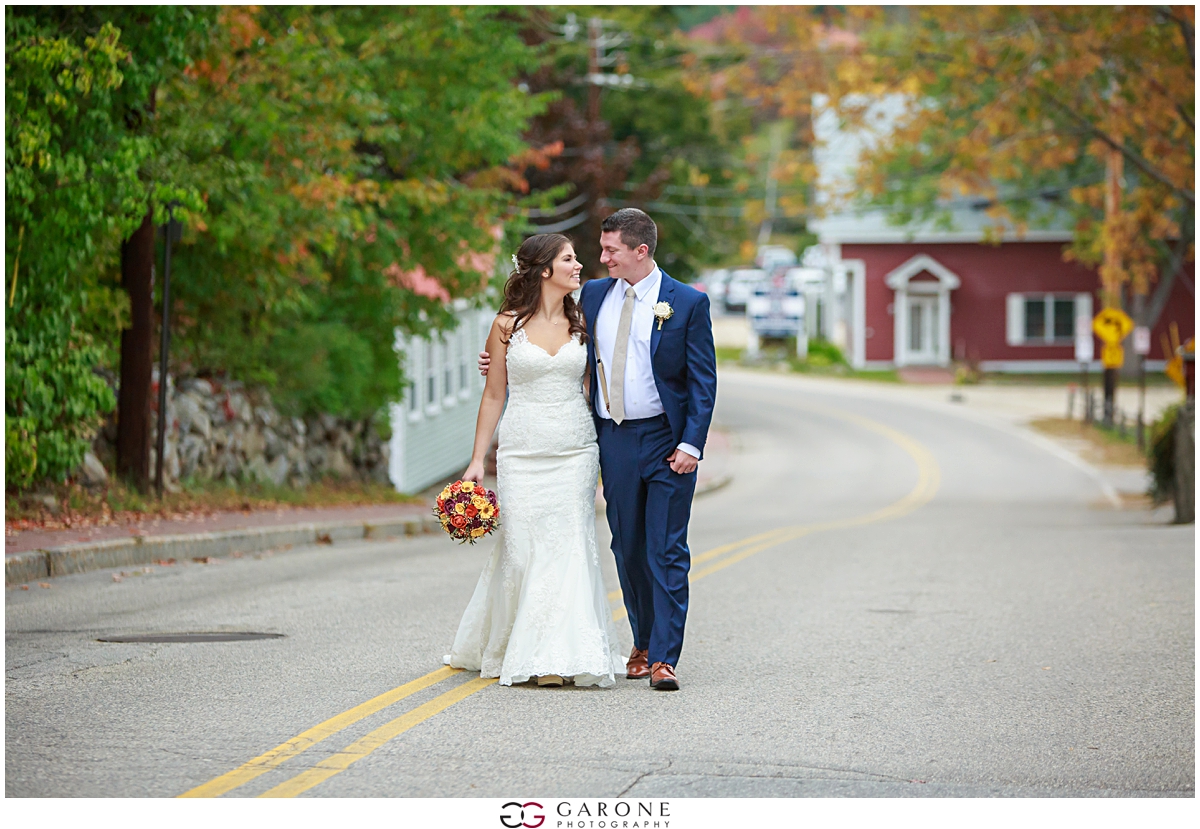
pixel 741 286
pixel 805 279
pixel 771 257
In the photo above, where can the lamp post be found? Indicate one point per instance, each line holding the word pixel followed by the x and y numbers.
pixel 171 230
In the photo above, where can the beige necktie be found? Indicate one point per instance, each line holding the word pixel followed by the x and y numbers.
pixel 616 386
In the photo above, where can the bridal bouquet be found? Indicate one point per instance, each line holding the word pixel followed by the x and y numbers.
pixel 467 511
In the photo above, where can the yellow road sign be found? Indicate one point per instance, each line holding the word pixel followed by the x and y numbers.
pixel 1174 370
pixel 1112 355
pixel 1112 325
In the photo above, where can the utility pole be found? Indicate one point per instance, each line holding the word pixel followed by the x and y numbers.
pixel 772 187
pixel 169 231
pixel 1114 170
pixel 595 40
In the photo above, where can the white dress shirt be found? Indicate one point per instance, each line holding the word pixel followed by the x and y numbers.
pixel 641 394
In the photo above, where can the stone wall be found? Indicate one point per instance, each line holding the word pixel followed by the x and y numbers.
pixel 222 430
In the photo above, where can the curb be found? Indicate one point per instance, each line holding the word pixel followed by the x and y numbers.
pixel 136 551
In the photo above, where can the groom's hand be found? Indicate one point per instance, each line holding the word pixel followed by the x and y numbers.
pixel 682 463
pixel 485 360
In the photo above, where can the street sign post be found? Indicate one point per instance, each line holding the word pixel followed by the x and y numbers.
pixel 1085 352
pixel 1112 326
pixel 1141 347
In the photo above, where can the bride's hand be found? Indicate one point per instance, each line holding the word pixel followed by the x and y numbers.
pixel 485 362
pixel 474 472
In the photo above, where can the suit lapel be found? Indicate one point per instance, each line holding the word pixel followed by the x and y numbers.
pixel 591 307
pixel 666 292
pixel 592 300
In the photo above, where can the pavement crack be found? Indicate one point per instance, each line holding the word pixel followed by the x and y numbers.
pixel 642 776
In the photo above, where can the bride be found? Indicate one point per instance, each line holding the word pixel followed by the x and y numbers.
pixel 540 609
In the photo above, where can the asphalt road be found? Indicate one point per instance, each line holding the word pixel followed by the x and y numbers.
pixel 889 599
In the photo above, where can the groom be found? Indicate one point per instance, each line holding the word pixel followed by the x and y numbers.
pixel 653 383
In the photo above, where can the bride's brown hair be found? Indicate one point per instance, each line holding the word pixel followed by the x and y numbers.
pixel 523 291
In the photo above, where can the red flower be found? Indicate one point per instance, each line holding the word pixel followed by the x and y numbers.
pixel 471 511
pixel 456 486
pixel 459 521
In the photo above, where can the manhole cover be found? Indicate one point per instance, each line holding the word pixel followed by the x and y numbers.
pixel 215 636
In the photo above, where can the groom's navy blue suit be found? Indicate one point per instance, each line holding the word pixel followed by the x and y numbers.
pixel 648 504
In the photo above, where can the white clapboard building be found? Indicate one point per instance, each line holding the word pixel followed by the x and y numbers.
pixel 433 427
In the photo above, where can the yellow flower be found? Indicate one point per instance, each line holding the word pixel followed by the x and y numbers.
pixel 461 509
pixel 468 486
pixel 476 533
pixel 479 501
pixel 487 512
pixel 445 492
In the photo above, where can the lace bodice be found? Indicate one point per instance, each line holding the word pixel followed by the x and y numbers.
pixel 535 376
pixel 546 409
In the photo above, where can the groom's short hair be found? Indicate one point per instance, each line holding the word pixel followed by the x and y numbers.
pixel 635 227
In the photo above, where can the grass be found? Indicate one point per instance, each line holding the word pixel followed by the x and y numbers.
pixel 117 503
pixel 823 360
pixel 1102 446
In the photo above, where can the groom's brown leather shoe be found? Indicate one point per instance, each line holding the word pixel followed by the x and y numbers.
pixel 638 666
pixel 662 677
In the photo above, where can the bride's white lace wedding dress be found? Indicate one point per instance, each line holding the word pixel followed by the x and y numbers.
pixel 540 606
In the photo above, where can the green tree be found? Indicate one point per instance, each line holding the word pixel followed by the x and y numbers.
pixel 76 155
pixel 337 152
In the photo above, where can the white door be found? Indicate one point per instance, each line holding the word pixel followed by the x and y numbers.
pixel 922 330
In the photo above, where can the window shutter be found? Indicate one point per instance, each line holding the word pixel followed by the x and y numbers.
pixel 1016 319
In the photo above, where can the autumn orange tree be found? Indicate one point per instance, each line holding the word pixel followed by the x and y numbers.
pixel 1024 106
pixel 1032 113
pixel 774 61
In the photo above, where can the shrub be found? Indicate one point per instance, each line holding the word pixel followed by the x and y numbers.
pixel 1161 455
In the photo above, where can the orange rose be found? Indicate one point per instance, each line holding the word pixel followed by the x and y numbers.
pixel 472 511
pixel 459 521
pixel 456 487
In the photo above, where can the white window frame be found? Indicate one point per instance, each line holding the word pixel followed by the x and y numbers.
pixel 430 377
pixel 1015 317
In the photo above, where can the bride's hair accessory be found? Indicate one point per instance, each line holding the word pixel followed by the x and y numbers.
pixel 516 264
pixel 467 511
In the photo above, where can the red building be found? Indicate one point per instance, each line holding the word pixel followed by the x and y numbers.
pixel 938 292
pixel 1012 307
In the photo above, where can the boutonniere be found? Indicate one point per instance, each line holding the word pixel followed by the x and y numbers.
pixel 663 312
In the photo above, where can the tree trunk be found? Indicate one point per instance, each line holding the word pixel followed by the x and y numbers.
pixel 137 342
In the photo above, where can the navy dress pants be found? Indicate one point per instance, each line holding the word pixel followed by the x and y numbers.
pixel 648 511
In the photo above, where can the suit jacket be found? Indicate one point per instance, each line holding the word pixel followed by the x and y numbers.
pixel 682 357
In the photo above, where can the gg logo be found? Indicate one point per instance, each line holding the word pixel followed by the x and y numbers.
pixel 513 815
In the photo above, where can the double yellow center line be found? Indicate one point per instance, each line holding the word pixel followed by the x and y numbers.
pixel 263 763
pixel 928 479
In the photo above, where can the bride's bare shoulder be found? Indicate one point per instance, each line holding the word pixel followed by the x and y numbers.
pixel 504 323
